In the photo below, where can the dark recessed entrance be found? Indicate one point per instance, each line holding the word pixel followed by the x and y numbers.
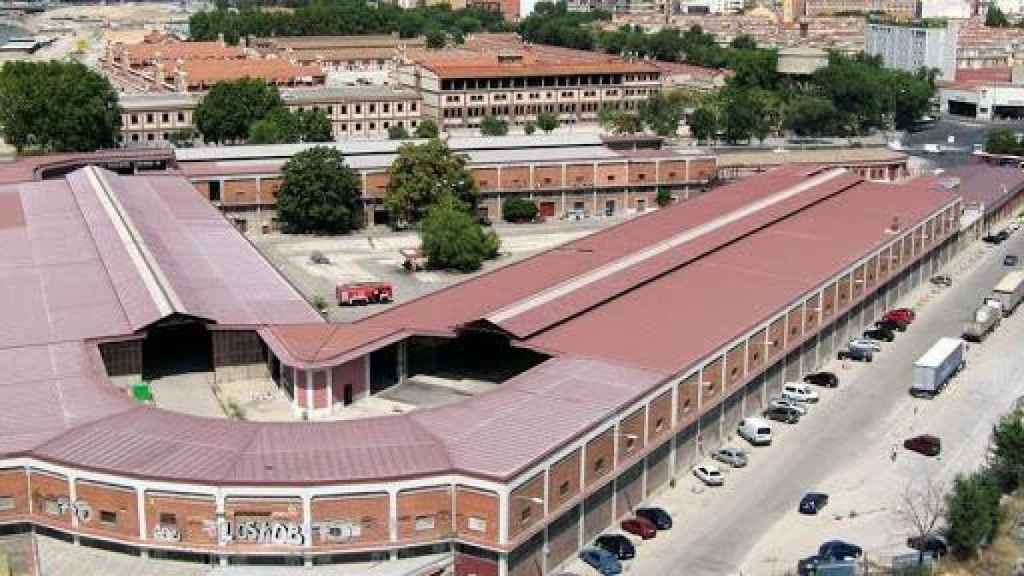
pixel 176 345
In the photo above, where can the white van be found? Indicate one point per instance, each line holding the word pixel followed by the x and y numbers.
pixel 757 431
pixel 799 391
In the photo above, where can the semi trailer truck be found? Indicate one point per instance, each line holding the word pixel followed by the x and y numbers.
pixel 1010 291
pixel 933 370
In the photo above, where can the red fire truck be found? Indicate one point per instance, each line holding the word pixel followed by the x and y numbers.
pixel 362 293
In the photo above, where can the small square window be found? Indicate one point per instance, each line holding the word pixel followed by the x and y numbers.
pixel 563 488
pixel 167 519
pixel 630 443
pixel 476 524
pixel 6 503
pixel 599 465
pixel 165 117
pixel 525 514
pixel 659 425
pixel 424 523
pixel 687 405
pixel 108 517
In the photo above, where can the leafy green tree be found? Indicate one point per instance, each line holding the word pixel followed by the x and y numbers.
pixel 547 121
pixel 493 126
pixel 421 175
pixel 662 112
pixel 57 107
pixel 319 193
pixel 436 39
pixel 1003 141
pixel 518 210
pixel 741 115
pixel 230 108
pixel 704 123
pixel 972 511
pixel 995 17
pixel 744 42
pixel 529 128
pixel 626 123
pixel 282 126
pixel 427 129
pixel 397 132
pixel 183 138
pixel 811 116
pixel 452 239
pixel 664 197
pixel 1006 453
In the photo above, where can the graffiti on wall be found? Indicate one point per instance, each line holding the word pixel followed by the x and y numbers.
pixel 261 530
pixel 61 506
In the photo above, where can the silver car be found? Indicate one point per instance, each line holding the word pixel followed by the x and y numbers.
pixel 732 456
pixel 865 344
pixel 783 402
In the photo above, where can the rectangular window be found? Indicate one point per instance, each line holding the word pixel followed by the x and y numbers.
pixel 135 119
pixel 412 107
pixel 599 465
pixel 215 191
pixel 181 116
pixel 149 118
pixel 108 517
pixel 165 117
pixel 6 503
pixel 167 519
pixel 359 109
pixel 563 488
pixel 477 524
pixel 401 107
pixel 525 514
pixel 424 523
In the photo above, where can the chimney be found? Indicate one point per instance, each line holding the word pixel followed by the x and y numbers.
pixel 894 227
pixel 220 40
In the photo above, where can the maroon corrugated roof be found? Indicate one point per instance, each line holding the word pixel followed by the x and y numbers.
pixel 985 184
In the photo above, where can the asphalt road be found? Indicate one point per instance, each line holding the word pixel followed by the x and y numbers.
pixel 747 527
pixel 966 133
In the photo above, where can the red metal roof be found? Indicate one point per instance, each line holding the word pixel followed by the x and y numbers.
pixel 984 184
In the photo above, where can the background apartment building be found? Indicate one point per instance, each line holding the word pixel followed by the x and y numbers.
pixel 914 45
pixel 150 120
pixel 504 78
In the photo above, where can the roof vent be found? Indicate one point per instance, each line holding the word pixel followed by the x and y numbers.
pixel 894 227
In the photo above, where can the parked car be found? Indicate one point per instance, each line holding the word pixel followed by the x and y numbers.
pixel 839 550
pixel 942 280
pixel 866 343
pixel 658 516
pixel 709 474
pixel 891 325
pixel 617 544
pixel 641 527
pixel 1003 235
pixel 603 561
pixel 1011 260
pixel 757 431
pixel 925 444
pixel 732 456
pixel 932 544
pixel 799 391
pixel 879 335
pixel 905 315
pixel 823 379
pixel 786 414
pixel 858 354
pixel 808 566
pixel 813 502
pixel 800 407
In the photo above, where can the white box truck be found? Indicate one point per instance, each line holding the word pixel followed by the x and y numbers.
pixel 933 370
pixel 1010 290
pixel 986 319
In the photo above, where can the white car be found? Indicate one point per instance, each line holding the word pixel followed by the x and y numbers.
pixel 865 344
pixel 783 402
pixel 709 474
pixel 799 392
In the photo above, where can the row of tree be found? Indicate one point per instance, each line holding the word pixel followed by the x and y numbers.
pixel 344 17
pixel 429 186
pixel 250 110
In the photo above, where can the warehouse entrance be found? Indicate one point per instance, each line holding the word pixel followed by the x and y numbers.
pixel 475 354
pixel 176 345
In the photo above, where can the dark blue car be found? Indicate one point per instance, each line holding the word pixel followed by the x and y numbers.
pixel 839 550
pixel 603 561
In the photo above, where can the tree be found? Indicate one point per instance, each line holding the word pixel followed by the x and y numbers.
pixel 436 39
pixel 620 122
pixel 662 112
pixel 741 115
pixel 972 511
pixel 230 108
pixel 921 507
pixel 57 107
pixel 421 175
pixel 704 124
pixel 427 129
pixel 518 210
pixel 493 126
pixel 664 197
pixel 1006 452
pixel 1002 141
pixel 183 138
pixel 397 132
pixel 743 42
pixel 282 126
pixel 547 121
pixel 453 239
pixel 319 193
pixel 811 116
pixel 995 17
pixel 529 128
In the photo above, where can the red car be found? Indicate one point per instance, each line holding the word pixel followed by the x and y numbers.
pixel 925 444
pixel 902 315
pixel 641 527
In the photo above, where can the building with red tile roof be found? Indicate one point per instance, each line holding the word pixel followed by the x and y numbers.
pixel 633 355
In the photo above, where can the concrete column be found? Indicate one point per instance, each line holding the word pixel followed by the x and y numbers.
pixel 403 367
pixel 309 391
pixel 503 510
pixel 330 388
pixel 140 493
pixel 392 515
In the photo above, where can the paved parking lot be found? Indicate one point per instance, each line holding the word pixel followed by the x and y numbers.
pixel 843 447
pixel 373 255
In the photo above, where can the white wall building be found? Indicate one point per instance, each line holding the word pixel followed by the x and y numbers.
pixel 957 9
pixel 913 46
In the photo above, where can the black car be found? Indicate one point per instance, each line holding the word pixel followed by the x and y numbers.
pixel 813 502
pixel 1003 235
pixel 839 550
pixel 880 334
pixel 891 325
pixel 1011 260
pixel 995 238
pixel 617 544
pixel 785 414
pixel 931 544
pixel 657 516
pixel 823 379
